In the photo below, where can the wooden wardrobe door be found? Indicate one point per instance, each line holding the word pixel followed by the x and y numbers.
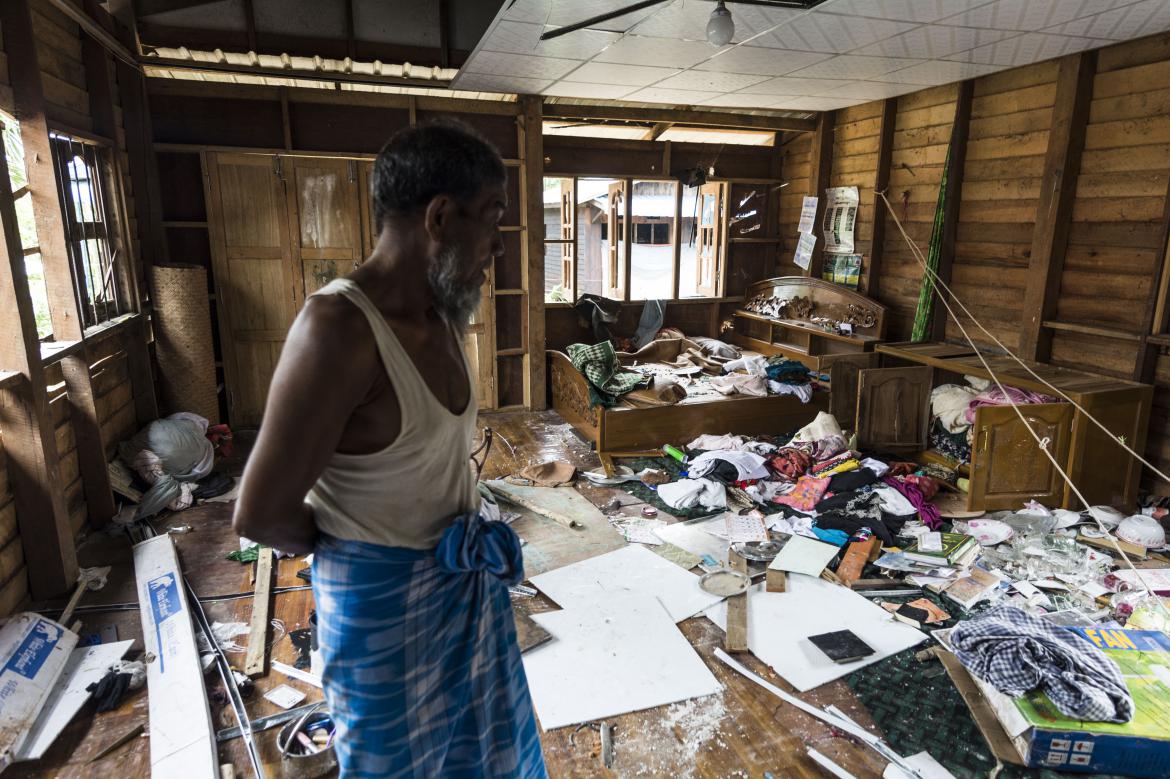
pixel 1007 467
pixel 366 196
pixel 710 243
pixel 327 235
pixel 617 235
pixel 893 408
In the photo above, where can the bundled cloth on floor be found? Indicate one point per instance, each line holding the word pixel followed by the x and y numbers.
pixel 599 364
pixel 927 511
pixel 802 391
pixel 171 455
pixel 839 463
pixel 823 426
pixel 850 512
pixel 790 464
pixel 406 632
pixel 820 449
pixel 688 493
pixel 553 473
pixel 747 465
pixel 1016 652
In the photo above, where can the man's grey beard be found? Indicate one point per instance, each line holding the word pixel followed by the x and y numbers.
pixel 455 299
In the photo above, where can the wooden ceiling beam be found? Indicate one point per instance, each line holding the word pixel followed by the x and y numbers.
pixel 444 33
pixel 657 130
pixel 680 116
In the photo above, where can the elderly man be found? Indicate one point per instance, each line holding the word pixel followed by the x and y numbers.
pixel 362 459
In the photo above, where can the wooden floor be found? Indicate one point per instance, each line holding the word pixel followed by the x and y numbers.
pixel 742 732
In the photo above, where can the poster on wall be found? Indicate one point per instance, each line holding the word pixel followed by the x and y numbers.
pixel 840 217
pixel 804 250
pixel 808 215
pixel 843 269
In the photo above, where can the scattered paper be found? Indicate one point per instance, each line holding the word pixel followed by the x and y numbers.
pixel 779 624
pixel 804 555
pixel 840 216
pixel 632 649
pixel 284 696
pixel 930 542
pixel 1156 579
pixel 642 531
pixel 808 215
pixel 595 583
pixel 927 767
pixel 743 528
pixel 977 585
pixel 804 250
pixel 1031 592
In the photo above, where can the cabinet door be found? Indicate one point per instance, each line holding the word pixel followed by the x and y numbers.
pixel 1007 467
pixel 844 377
pixel 247 217
pixel 326 230
pixel 618 239
pixel 893 408
pixel 709 246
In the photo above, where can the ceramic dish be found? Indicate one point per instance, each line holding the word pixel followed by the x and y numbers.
pixel 989 532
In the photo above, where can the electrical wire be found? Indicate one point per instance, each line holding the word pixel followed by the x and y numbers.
pixel 1042 443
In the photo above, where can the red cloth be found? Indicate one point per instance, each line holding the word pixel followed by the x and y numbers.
pixel 806 495
pixel 790 464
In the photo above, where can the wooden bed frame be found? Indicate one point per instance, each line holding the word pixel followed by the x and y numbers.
pixel 631 432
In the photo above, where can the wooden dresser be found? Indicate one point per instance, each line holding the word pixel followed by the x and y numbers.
pixel 801 318
pixel 892 407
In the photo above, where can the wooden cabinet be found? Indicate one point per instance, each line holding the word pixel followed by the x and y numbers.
pixel 1007 466
pixel 797 317
pixel 893 408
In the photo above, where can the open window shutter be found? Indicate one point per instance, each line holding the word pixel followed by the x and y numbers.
pixel 615 269
pixel 893 408
pixel 709 242
pixel 1007 467
pixel 568 250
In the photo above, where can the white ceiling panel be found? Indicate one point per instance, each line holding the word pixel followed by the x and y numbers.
pixel 524 38
pixel 853 66
pixel 1131 21
pixel 498 63
pixel 794 86
pixel 710 81
pixel 686 20
pixel 829 33
pixel 591 91
pixel 561 12
pixel 937 72
pixel 661 52
pixel 672 96
pixel 840 53
pixel 1027 48
pixel 933 41
pixel 761 61
pixel 610 73
pixel 1029 15
pixel 899 10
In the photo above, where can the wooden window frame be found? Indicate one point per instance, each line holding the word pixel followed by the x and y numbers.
pixel 675 242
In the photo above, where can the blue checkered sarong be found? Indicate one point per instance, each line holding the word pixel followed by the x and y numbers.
pixel 422 670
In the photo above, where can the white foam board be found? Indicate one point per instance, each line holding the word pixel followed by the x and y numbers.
pixel 779 624
pixel 600 664
pixel 634 569
pixel 33 654
pixel 182 741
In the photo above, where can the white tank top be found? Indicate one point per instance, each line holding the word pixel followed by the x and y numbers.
pixel 406 494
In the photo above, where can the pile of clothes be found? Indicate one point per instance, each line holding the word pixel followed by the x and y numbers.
pixel 953 408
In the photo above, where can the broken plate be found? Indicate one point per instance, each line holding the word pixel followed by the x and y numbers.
pixel 989 532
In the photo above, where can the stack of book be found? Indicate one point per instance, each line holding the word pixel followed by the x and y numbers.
pixel 955 551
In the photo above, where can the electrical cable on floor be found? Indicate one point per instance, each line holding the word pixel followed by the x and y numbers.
pixel 229 682
pixel 1042 443
pixel 99 608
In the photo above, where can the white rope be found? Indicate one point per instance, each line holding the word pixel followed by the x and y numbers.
pixel 1042 443
pixel 1120 439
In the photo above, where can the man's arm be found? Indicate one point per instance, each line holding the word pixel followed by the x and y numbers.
pixel 324 372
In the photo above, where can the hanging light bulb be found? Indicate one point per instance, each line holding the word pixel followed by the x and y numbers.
pixel 720 27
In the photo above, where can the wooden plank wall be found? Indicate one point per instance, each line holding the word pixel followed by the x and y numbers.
pixel 1108 278
pixel 13 572
pixel 855 156
pixel 58 41
pixel 795 167
pixel 1010 116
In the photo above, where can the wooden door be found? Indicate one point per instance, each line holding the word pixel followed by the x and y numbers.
pixel 618 237
pixel 1007 467
pixel 327 235
pixel 709 245
pixel 568 250
pixel 366 196
pixel 255 289
pixel 893 408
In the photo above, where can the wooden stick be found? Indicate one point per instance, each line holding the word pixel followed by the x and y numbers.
pixel 735 638
pixel 255 660
pixel 775 580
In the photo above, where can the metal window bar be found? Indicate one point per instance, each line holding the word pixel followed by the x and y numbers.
pixel 110 288
pixel 64 190
pixel 100 240
pixel 81 243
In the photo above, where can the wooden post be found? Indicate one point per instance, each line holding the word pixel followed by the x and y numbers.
pixel 28 424
pixel 877 245
pixel 1058 186
pixel 28 97
pixel 820 169
pixel 1156 314
pixel 957 161
pixel 532 188
pixel 735 638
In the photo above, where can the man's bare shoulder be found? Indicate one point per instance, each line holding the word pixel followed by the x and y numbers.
pixel 333 331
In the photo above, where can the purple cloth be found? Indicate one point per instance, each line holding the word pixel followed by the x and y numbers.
pixel 927 511
pixel 993 397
